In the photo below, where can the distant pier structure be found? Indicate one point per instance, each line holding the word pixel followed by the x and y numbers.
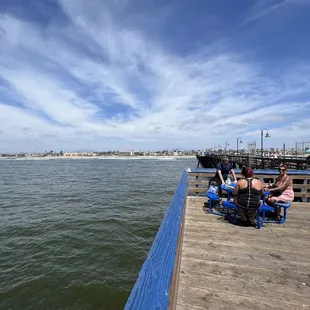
pixel 257 162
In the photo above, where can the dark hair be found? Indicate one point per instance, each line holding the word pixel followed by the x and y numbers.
pixel 247 172
pixel 283 166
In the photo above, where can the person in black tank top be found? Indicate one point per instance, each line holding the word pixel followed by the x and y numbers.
pixel 248 193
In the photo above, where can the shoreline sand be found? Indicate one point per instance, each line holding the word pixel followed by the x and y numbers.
pixel 101 157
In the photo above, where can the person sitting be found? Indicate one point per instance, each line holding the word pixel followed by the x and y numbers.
pixel 281 191
pixel 222 171
pixel 248 193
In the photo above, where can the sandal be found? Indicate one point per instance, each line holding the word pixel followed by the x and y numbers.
pixel 279 217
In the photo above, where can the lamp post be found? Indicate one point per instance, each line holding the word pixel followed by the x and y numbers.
pixel 239 140
pixel 226 144
pixel 262 140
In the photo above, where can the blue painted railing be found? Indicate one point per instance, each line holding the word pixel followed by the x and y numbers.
pixel 151 290
pixel 256 171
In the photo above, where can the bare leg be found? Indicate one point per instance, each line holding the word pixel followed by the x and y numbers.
pixel 270 201
pixel 242 214
pixel 252 216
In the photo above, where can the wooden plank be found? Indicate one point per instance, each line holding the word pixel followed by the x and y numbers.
pixel 261 242
pixel 292 292
pixel 198 181
pixel 204 190
pixel 295 177
pixel 197 189
pixel 199 227
pixel 290 224
pixel 192 183
pixel 197 298
pixel 276 275
pixel 291 215
pixel 289 227
pixel 296 205
pixel 268 258
pixel 265 176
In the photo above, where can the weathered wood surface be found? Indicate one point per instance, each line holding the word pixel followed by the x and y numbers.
pixel 224 266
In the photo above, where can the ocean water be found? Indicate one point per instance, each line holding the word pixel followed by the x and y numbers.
pixel 74 233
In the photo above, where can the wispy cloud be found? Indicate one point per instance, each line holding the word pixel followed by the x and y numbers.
pixel 92 77
pixel 263 8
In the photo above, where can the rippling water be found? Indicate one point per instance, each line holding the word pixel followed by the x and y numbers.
pixel 74 233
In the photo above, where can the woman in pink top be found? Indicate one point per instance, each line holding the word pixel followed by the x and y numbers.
pixel 282 191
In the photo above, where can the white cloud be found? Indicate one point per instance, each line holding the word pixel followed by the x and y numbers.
pixel 94 80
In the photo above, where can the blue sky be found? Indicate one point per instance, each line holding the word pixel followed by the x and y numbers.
pixel 121 74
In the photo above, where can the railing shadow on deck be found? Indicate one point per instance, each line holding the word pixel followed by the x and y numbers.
pixel 151 290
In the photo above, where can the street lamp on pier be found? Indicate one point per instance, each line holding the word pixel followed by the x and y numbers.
pixel 262 140
pixel 239 140
pixel 226 144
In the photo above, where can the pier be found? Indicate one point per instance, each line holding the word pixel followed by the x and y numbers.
pixel 200 261
pixel 224 266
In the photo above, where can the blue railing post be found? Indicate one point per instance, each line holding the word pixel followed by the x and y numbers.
pixel 151 290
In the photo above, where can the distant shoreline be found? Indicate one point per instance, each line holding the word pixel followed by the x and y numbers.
pixel 99 157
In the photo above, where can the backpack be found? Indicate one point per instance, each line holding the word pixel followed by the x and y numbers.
pixel 213 188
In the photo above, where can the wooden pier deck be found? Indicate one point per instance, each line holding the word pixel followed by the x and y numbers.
pixel 223 266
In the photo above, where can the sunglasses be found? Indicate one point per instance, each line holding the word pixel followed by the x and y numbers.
pixel 281 169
